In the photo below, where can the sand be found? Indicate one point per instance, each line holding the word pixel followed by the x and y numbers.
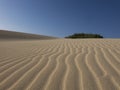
pixel 60 64
pixel 12 35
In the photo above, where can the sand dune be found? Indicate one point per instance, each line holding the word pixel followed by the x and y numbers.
pixel 60 64
pixel 12 35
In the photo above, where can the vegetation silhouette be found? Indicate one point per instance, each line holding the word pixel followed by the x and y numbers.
pixel 84 35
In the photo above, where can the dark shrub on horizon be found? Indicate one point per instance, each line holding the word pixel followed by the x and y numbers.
pixel 84 35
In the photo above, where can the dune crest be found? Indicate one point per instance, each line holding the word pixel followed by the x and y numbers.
pixel 12 35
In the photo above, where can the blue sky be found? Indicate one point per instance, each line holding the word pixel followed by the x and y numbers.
pixel 61 17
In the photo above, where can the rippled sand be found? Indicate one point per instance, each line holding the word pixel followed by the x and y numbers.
pixel 60 64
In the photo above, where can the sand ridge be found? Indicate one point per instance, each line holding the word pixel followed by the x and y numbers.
pixel 60 64
pixel 13 35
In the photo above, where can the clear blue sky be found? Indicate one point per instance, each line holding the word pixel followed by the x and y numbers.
pixel 61 17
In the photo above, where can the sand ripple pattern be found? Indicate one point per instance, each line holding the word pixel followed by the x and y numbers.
pixel 60 64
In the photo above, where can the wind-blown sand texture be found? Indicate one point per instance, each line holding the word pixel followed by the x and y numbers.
pixel 60 64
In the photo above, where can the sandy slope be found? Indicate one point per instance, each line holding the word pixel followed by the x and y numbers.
pixel 90 64
pixel 12 35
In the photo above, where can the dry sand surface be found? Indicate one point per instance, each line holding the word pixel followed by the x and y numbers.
pixel 60 64
pixel 12 35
